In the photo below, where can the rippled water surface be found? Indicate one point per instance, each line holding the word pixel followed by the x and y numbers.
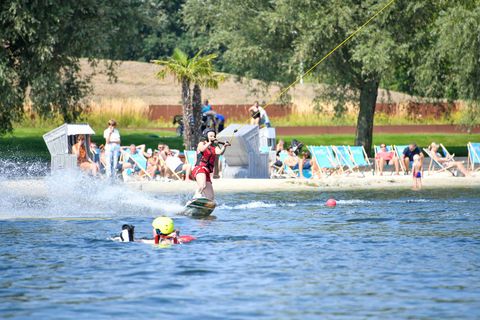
pixel 384 255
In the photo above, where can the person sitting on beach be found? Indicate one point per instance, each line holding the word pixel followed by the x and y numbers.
pixel 174 163
pixel 128 161
pixel 259 116
pixel 280 146
pixel 278 164
pixel 164 231
pixel 295 163
pixel 83 161
pixel 152 163
pixel 448 161
pixel 384 157
pixel 417 172
pixel 408 154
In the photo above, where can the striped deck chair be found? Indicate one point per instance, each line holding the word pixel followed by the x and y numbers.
pixel 473 155
pixel 447 154
pixel 265 149
pixel 441 167
pixel 345 159
pixel 399 151
pixel 286 170
pixel 325 159
pixel 376 149
pixel 138 158
pixel 190 157
pixel 360 157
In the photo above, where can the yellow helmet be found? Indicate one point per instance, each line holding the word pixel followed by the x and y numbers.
pixel 164 225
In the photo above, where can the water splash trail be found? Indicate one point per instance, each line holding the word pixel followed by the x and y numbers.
pixel 72 194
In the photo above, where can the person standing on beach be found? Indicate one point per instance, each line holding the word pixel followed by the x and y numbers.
pixel 417 172
pixel 259 116
pixel 112 147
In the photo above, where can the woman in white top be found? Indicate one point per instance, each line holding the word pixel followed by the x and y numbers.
pixel 447 161
pixel 112 147
pixel 173 162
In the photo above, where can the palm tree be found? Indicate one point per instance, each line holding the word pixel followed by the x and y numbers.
pixel 199 71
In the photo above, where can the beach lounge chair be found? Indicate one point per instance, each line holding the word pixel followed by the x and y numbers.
pixel 473 155
pixel 434 163
pixel 325 159
pixel 277 172
pixel 360 157
pixel 190 157
pixel 265 149
pixel 345 159
pixel 399 152
pixel 286 171
pixel 138 158
pixel 445 152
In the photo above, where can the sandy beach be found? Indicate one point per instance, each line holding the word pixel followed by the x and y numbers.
pixel 333 183
pixel 38 187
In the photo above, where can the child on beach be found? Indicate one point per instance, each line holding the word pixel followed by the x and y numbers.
pixel 417 172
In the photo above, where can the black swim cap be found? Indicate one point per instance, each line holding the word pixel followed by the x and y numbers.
pixel 206 131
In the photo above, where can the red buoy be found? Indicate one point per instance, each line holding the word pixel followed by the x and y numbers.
pixel 331 203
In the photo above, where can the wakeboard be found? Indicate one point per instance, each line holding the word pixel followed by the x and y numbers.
pixel 199 208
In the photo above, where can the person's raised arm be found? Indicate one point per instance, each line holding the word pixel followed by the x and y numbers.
pixel 439 159
pixel 108 134
pixel 142 148
pixel 75 149
pixel 221 150
pixel 202 146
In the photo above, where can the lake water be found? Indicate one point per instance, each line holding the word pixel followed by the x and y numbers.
pixel 378 254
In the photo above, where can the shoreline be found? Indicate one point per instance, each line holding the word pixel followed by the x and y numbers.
pixel 334 183
pixel 37 187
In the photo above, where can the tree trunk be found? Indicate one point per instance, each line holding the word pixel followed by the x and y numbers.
pixel 368 100
pixel 187 114
pixel 197 113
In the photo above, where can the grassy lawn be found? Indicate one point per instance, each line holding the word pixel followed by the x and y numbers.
pixel 28 142
pixel 455 143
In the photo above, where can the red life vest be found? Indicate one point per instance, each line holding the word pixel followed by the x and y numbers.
pixel 207 158
pixel 159 238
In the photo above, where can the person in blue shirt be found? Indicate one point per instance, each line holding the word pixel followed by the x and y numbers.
pixel 206 107
pixel 220 120
pixel 408 154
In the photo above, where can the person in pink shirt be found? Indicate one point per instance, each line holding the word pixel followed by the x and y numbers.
pixel 384 157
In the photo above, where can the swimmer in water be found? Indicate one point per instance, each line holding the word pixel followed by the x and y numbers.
pixel 164 231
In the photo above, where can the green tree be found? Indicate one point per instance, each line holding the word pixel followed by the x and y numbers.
pixel 198 71
pixel 271 41
pixel 449 68
pixel 41 44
